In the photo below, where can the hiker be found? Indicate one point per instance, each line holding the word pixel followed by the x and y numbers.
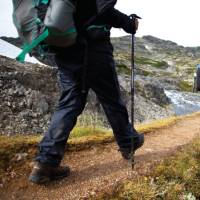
pixel 196 84
pixel 88 64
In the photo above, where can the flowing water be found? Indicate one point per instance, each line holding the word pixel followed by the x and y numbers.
pixel 184 102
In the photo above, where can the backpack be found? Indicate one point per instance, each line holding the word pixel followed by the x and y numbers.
pixel 44 23
pixel 198 77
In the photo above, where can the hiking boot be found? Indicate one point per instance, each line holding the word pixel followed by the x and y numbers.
pixel 127 152
pixel 42 173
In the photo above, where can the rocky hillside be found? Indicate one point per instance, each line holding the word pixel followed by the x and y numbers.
pixel 25 101
pixel 167 63
pixel 28 92
pixel 171 64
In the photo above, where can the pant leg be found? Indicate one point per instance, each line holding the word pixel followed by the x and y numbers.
pixel 103 80
pixel 71 104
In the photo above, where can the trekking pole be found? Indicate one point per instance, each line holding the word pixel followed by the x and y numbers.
pixel 133 16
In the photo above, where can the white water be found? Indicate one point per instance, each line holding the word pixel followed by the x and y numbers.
pixel 184 102
pixel 11 51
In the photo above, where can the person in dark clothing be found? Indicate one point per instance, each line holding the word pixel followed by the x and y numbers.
pixel 88 64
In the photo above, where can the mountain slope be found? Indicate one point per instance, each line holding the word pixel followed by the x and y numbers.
pixel 158 58
pixel 29 93
pixel 154 57
pixel 26 96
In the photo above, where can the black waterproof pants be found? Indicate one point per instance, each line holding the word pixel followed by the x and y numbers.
pixel 102 79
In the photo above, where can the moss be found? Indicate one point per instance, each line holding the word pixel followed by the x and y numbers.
pixel 153 63
pixel 185 86
pixel 190 70
pixel 9 146
pixel 145 72
pixel 81 138
pixel 148 73
pixel 87 131
pixel 177 177
pixel 182 170
pixel 157 124
pixel 137 190
pixel 123 69
pixel 85 142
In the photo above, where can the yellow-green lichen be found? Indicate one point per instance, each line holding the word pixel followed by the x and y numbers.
pixel 176 178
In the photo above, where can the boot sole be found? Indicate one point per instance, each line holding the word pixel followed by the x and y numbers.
pixel 45 179
pixel 39 180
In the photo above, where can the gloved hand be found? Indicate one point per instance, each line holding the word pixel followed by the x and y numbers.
pixel 135 24
pixel 135 18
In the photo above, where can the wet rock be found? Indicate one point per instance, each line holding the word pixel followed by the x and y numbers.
pixel 155 94
pixel 184 102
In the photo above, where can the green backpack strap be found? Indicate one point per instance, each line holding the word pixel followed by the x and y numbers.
pixel 98 27
pixel 29 47
pixel 45 1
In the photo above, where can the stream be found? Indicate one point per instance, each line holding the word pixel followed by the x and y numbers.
pixel 184 102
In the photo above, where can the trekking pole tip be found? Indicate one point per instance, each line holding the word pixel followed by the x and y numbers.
pixel 132 162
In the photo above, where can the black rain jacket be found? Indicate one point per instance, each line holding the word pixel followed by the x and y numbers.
pixel 101 12
pixel 94 19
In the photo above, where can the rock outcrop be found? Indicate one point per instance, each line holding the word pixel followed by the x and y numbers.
pixel 29 92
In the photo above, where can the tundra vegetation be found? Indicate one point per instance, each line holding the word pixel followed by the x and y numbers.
pixel 177 177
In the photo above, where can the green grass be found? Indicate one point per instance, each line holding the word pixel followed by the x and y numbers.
pixel 180 175
pixel 175 178
pixel 80 138
pixel 153 63
pixel 123 69
pixel 185 86
pixel 9 146
pixel 191 70
pixel 145 72
pixel 156 125
pixel 87 131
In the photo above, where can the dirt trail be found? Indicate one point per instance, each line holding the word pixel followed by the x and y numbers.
pixel 100 168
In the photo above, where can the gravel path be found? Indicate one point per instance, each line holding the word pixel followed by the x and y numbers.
pixel 102 167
